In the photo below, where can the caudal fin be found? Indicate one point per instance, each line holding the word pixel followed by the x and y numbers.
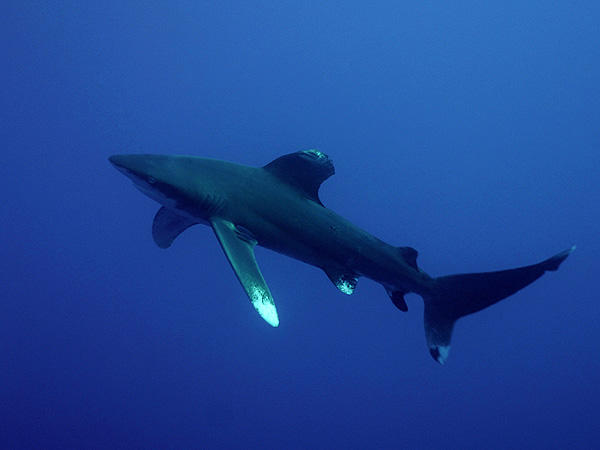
pixel 456 296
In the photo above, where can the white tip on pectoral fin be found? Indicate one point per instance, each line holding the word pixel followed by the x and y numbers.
pixel 263 303
pixel 238 245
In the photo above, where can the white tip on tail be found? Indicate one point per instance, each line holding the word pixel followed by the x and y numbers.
pixel 440 353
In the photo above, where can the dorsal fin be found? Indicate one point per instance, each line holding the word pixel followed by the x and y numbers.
pixel 304 170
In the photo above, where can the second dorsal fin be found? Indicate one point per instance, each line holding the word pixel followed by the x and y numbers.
pixel 304 170
pixel 410 256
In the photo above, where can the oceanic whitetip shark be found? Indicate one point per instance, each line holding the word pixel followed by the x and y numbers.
pixel 278 207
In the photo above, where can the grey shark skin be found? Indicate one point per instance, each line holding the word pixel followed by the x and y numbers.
pixel 278 207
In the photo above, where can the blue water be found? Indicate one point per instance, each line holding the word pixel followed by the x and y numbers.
pixel 468 130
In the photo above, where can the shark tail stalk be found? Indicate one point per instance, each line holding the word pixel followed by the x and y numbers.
pixel 456 296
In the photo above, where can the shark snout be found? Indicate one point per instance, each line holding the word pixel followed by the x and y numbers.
pixel 133 166
pixel 121 162
pixel 146 174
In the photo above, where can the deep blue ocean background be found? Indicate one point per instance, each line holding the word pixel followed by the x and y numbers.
pixel 468 130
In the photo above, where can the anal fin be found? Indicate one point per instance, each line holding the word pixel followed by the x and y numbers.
pixel 397 298
pixel 238 245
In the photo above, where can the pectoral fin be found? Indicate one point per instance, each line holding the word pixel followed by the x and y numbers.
pixel 167 226
pixel 238 244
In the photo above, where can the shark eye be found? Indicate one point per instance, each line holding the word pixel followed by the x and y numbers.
pixel 151 180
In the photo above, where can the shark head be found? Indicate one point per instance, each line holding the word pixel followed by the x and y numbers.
pixel 152 175
pixel 176 182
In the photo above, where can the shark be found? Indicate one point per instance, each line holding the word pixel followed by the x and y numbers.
pixel 277 206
